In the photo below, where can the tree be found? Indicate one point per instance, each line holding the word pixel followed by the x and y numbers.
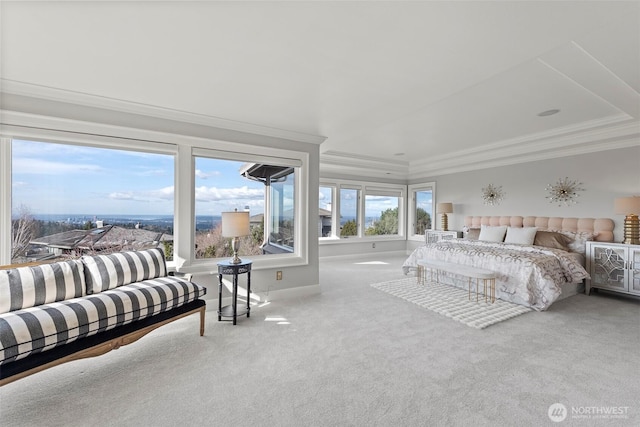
pixel 423 221
pixel 22 231
pixel 212 244
pixel 350 228
pixel 387 224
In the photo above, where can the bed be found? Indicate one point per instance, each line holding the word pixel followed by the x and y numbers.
pixel 538 260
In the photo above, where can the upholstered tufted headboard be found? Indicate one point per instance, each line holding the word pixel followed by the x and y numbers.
pixel 602 227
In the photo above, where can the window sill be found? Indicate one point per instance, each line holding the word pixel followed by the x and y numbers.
pixel 260 262
pixel 354 239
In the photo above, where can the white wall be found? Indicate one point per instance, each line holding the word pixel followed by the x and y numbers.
pixel 605 176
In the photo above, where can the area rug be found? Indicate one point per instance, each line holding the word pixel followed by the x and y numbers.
pixel 452 302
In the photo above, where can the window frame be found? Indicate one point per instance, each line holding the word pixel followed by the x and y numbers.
pixel 364 188
pixel 383 192
pixel 412 206
pixel 182 148
pixel 63 138
pixel 334 205
pixel 359 214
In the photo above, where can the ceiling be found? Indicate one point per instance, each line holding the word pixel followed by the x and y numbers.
pixel 405 89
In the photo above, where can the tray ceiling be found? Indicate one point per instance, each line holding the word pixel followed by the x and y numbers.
pixel 408 89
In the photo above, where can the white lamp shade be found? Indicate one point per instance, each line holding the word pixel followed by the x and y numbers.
pixel 235 224
pixel 446 207
pixel 627 205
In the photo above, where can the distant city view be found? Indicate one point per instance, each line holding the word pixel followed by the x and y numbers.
pixel 203 222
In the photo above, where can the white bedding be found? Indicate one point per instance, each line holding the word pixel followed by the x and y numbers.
pixel 527 275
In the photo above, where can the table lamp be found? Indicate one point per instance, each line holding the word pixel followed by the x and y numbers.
pixel 235 225
pixel 629 206
pixel 444 209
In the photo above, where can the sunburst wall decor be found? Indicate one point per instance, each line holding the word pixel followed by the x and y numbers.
pixel 564 192
pixel 492 195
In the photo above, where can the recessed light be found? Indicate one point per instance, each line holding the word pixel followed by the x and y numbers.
pixel 549 112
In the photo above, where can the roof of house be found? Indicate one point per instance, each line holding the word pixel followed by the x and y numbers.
pixel 102 238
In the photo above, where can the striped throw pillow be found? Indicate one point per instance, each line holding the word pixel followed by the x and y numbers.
pixel 104 272
pixel 32 286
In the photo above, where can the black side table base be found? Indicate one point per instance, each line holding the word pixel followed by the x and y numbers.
pixel 226 267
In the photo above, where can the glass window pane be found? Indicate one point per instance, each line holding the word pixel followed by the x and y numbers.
pixel 381 215
pixel 69 200
pixel 348 212
pixel 227 185
pixel 282 215
pixel 424 211
pixel 220 187
pixel 325 216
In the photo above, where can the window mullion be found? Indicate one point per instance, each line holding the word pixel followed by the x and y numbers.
pixel 184 199
pixel 5 200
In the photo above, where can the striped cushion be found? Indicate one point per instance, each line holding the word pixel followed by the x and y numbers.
pixel 104 272
pixel 32 286
pixel 37 329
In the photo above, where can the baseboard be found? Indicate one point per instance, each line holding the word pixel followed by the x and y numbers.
pixel 289 293
pixel 361 255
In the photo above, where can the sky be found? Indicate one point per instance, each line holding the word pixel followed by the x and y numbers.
pixel 50 178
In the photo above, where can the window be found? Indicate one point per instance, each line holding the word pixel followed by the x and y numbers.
pixel 421 212
pixel 68 200
pixel 266 191
pixel 365 210
pixel 220 187
pixel 142 186
pixel 325 215
pixel 381 212
pixel 349 208
pixel 281 212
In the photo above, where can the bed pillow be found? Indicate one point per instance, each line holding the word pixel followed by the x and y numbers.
pixel 472 234
pixel 491 233
pixel 579 240
pixel 553 240
pixel 521 235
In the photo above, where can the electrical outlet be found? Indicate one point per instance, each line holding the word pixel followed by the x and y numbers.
pixel 278 275
pixel 373 245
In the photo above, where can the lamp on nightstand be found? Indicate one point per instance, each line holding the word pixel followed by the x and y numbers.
pixel 444 209
pixel 629 206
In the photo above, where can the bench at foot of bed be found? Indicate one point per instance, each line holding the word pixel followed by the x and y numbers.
pixel 488 277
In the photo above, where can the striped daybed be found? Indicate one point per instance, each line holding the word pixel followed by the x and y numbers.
pixel 68 310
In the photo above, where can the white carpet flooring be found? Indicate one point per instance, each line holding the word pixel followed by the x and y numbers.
pixel 351 356
pixel 452 302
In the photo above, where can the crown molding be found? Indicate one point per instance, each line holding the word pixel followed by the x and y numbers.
pixel 536 147
pixel 348 163
pixel 29 90
pixel 616 132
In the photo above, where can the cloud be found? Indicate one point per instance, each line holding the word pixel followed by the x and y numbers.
pixel 166 193
pixel 214 194
pixel 205 175
pixel 26 165
pixel 152 172
pixel 122 196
